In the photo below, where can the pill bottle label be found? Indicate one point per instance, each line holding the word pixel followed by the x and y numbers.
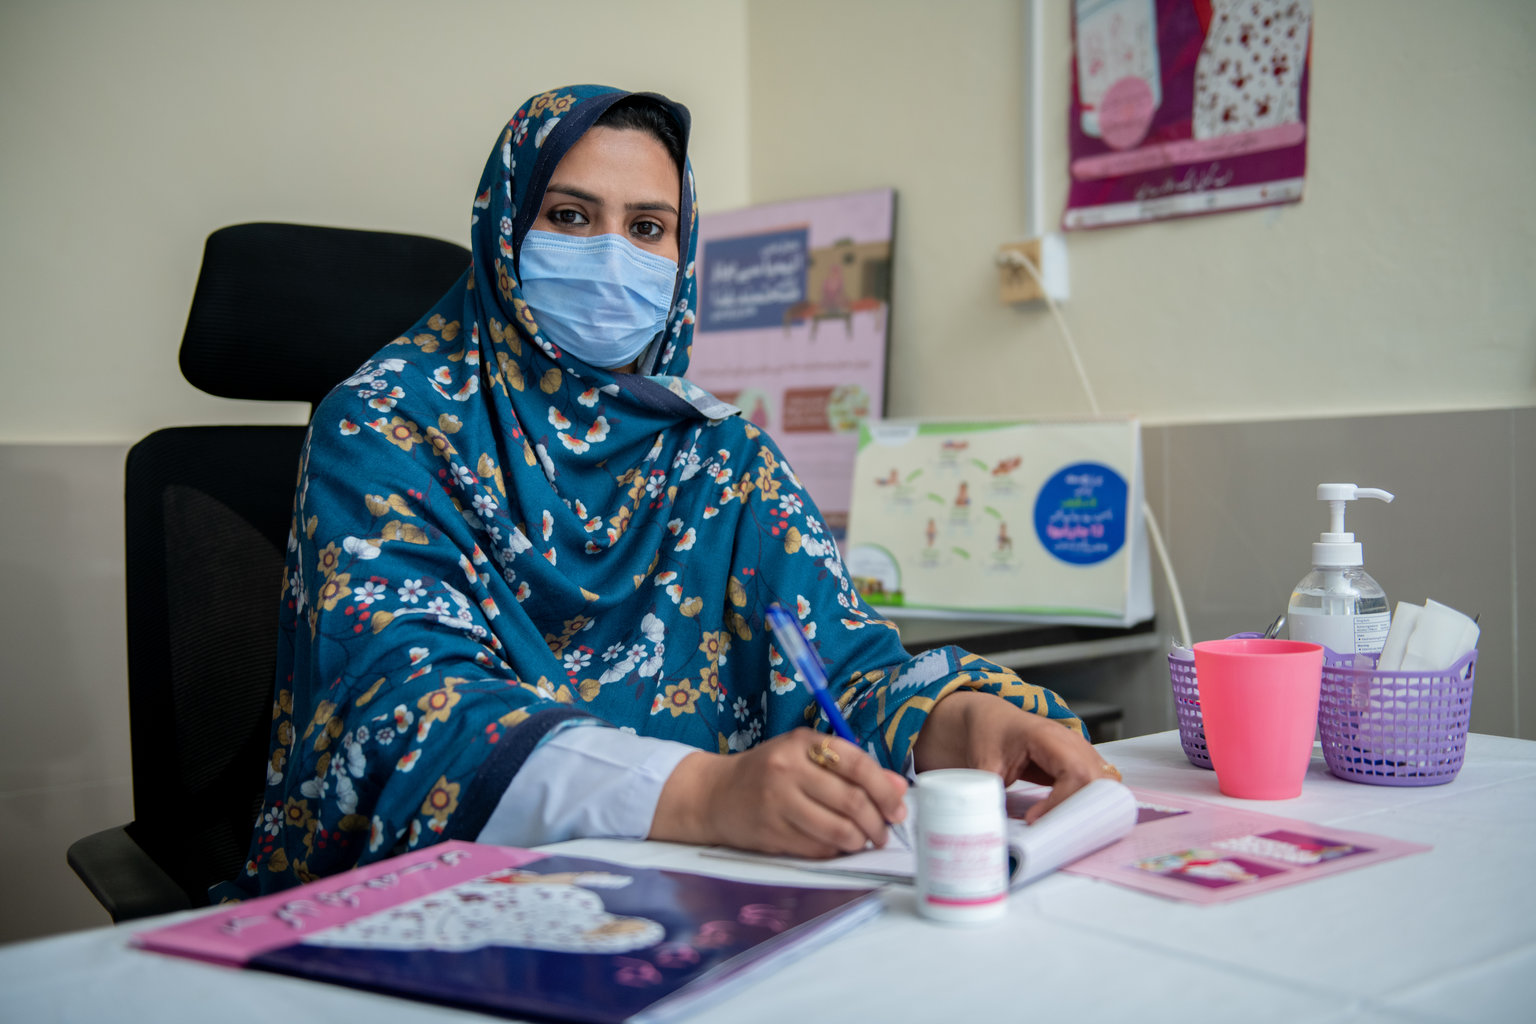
pixel 964 869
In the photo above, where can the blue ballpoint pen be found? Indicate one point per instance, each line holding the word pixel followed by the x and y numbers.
pixel 786 628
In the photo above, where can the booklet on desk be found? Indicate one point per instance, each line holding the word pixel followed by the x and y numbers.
pixel 518 932
pixel 1094 817
pixel 1202 852
pixel 1161 843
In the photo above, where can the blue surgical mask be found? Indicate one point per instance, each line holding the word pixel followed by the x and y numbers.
pixel 599 298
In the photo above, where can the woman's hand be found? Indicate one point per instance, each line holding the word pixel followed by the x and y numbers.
pixel 970 729
pixel 774 799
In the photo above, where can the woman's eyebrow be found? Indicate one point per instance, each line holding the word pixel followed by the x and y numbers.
pixel 576 193
pixel 596 200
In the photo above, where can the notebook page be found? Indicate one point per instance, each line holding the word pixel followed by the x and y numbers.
pixel 1093 817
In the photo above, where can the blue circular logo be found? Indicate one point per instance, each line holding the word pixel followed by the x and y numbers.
pixel 1080 513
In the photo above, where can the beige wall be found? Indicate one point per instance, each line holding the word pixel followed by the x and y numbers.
pixel 130 130
pixel 1403 282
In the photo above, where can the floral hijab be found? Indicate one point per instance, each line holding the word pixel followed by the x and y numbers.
pixel 492 539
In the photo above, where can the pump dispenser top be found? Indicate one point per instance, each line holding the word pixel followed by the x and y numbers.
pixel 1338 604
pixel 1336 548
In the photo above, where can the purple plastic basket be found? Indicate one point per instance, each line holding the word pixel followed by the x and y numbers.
pixel 1186 702
pixel 1396 728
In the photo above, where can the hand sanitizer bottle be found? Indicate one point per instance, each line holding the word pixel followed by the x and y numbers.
pixel 1337 604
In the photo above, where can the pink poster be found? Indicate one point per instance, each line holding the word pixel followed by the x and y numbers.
pixel 1185 107
pixel 794 310
pixel 1204 852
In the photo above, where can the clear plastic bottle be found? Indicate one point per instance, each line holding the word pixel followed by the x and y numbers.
pixel 1338 604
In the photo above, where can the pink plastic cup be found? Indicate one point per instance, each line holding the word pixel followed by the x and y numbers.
pixel 1258 701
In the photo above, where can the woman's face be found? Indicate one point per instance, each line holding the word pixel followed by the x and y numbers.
pixel 616 181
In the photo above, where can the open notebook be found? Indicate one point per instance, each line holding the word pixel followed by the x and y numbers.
pixel 1162 843
pixel 522 933
pixel 1095 816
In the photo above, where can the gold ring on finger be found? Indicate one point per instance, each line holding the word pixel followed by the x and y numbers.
pixel 822 755
pixel 1111 771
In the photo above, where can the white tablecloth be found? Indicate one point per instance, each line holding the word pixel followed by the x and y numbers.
pixel 1445 936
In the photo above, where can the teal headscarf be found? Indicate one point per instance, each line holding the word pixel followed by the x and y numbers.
pixel 491 539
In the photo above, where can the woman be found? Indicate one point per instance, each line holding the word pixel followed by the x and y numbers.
pixel 530 563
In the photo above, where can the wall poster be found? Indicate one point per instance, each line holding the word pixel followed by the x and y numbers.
pixel 794 313
pixel 1036 521
pixel 1185 107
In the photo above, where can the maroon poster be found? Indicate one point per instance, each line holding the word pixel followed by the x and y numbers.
pixel 1185 107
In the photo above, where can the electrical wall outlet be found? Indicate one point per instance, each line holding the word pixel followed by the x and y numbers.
pixel 1014 281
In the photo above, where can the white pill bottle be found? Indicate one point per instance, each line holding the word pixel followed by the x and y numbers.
pixel 962 846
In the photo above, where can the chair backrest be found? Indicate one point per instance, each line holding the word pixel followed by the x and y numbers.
pixel 285 312
pixel 280 312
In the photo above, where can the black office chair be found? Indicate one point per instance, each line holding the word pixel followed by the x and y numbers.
pixel 281 312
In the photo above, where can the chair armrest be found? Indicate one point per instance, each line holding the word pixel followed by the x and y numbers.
pixel 123 878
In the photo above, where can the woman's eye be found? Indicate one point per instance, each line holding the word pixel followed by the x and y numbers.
pixel 649 230
pixel 569 217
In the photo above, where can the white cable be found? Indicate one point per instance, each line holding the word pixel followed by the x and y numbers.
pixel 1154 532
pixel 1018 259
pixel 1050 303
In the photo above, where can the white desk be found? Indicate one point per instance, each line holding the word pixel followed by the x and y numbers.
pixel 1445 936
